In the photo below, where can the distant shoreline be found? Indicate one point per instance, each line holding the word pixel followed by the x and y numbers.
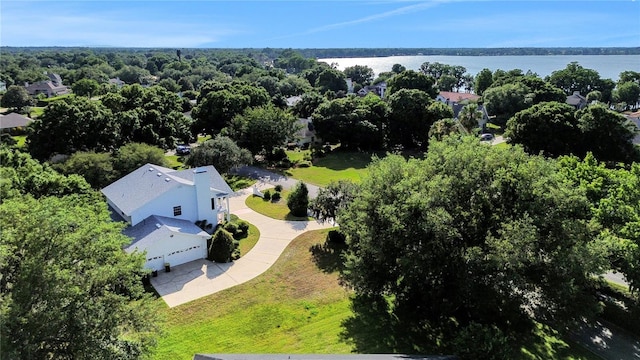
pixel 372 52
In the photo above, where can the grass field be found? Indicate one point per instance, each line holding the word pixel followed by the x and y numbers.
pixel 297 306
pixel 175 162
pixel 275 210
pixel 238 182
pixel 339 165
pixel 294 307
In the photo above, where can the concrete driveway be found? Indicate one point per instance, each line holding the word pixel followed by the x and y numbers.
pixel 200 278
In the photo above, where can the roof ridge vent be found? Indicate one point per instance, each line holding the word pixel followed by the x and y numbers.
pixel 150 169
pixel 159 174
pixel 167 179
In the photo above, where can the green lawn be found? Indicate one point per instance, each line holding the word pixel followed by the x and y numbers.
pixel 275 210
pixel 238 182
pixel 36 112
pixel 338 165
pixel 175 162
pixel 297 307
pixel 202 139
pixel 294 307
pixel 297 155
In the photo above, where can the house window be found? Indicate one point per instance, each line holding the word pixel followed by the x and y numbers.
pixel 177 210
pixel 213 203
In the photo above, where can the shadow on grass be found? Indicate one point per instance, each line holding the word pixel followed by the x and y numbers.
pixel 328 256
pixel 373 330
pixel 344 159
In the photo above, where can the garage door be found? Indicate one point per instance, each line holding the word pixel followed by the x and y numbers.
pixel 185 255
pixel 155 263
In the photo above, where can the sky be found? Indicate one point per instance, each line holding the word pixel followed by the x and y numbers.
pixel 320 24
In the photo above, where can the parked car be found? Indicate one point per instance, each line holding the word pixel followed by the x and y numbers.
pixel 183 149
pixel 486 137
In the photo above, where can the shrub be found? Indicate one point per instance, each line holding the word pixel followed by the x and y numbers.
pixel 336 237
pixel 276 197
pixel 266 195
pixel 243 227
pixel 278 188
pixel 232 228
pixel 298 200
pixel 304 164
pixel 222 247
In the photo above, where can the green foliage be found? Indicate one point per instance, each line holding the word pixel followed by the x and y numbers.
pixel 278 188
pixel 550 128
pixel 221 152
pixel 218 103
pixel 243 227
pixel 466 236
pixel 298 200
pixel 331 80
pixel 628 92
pixel 71 125
pixel 607 134
pixel 96 168
pixel 222 246
pixel 22 175
pixel 412 114
pixel 332 199
pixel 359 74
pixel 16 97
pixel 266 195
pixel 68 290
pixel 85 87
pixel 483 81
pixel 262 129
pixel 410 79
pixel 353 122
pixel 232 228
pixel 614 196
pixel 276 197
pixel 577 78
pixel 445 127
pixel 131 156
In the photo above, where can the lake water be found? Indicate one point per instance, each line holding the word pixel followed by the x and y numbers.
pixel 608 66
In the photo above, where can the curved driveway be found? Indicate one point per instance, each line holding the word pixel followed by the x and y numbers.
pixel 200 278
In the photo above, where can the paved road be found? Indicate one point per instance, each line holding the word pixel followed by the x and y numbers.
pixel 272 178
pixel 607 341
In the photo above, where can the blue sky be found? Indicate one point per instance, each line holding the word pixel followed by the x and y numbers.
pixel 320 24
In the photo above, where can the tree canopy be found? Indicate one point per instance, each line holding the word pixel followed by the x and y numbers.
pixel 221 152
pixel 262 129
pixel 471 237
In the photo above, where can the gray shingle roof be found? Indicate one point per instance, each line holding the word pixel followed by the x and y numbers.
pixel 217 182
pixel 154 227
pixel 151 181
pixel 13 120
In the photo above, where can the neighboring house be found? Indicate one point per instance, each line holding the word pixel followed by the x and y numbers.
pixel 635 118
pixel 576 100
pixel 457 101
pixel 378 89
pixel 117 82
pixel 162 205
pixel 307 134
pixel 13 120
pixel 52 87
pixel 449 97
pixel 293 100
pixel 3 86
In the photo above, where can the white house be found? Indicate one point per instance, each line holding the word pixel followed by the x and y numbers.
pixel 162 205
